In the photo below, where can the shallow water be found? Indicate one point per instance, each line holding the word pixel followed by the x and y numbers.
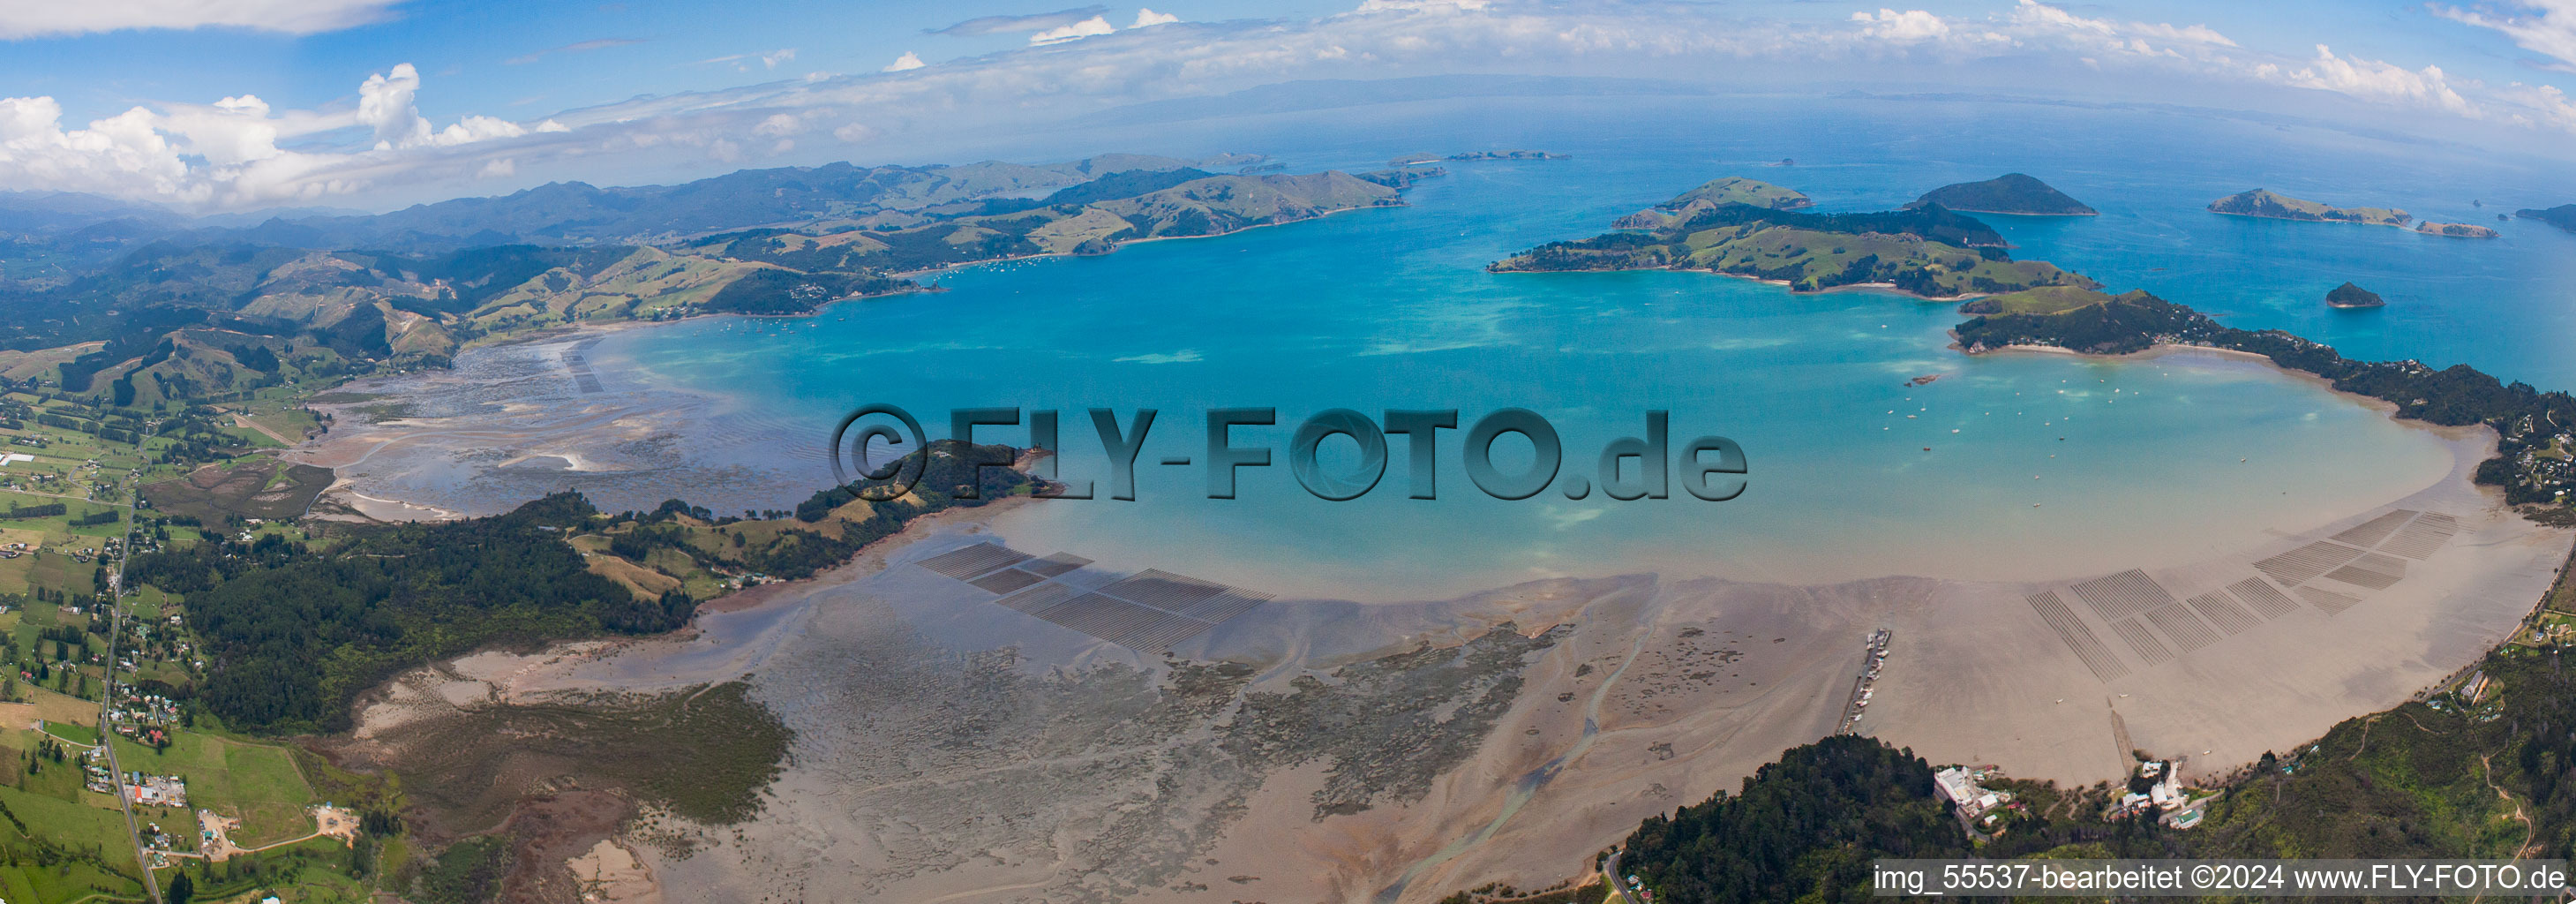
pixel 2038 466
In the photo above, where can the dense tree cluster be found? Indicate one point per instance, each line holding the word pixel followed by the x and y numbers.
pixel 1804 828
pixel 292 635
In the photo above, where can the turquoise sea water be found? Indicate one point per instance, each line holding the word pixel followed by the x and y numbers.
pixel 2039 466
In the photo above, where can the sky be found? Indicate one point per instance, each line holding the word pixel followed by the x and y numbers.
pixel 229 105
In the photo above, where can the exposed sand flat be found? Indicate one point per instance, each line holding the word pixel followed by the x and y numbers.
pixel 1951 692
pixel 953 749
pixel 513 422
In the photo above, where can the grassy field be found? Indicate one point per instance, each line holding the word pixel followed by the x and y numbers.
pixel 257 487
pixel 84 735
pixel 78 826
pixel 53 707
pixel 256 783
pixel 2042 300
pixel 310 872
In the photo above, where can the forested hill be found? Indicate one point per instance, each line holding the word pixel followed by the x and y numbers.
pixel 1804 828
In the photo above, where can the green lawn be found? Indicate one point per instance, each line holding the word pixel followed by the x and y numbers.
pixel 78 734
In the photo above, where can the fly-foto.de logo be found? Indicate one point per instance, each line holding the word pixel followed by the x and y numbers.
pixel 888 461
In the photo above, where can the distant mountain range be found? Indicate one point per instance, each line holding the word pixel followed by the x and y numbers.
pixel 106 297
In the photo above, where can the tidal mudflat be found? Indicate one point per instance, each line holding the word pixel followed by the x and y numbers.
pixel 947 747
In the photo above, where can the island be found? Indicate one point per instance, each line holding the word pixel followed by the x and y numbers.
pixel 1416 159
pixel 2264 203
pixel 2562 216
pixel 2011 193
pixel 1934 252
pixel 2455 230
pixel 1931 251
pixel 2352 296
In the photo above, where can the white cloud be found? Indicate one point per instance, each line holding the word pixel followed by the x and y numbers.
pixel 476 128
pixel 1146 18
pixel 1416 6
pixel 228 154
pixel 909 60
pixel 1905 27
pixel 996 25
pixel 2377 80
pixel 2545 27
pixel 741 62
pixel 385 105
pixel 120 155
pixel 1096 25
pixel 239 151
pixel 2128 36
pixel 2540 105
pixel 44 18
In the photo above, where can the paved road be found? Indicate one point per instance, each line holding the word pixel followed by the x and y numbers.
pixel 115 625
pixel 1610 874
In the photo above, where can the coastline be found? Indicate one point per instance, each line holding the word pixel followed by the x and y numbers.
pixel 1113 249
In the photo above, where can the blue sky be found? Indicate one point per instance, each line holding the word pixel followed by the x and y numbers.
pixel 240 104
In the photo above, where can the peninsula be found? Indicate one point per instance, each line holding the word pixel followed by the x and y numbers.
pixel 2264 203
pixel 2011 193
pixel 1928 251
pixel 2562 216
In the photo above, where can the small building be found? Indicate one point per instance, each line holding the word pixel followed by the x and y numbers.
pixel 1956 786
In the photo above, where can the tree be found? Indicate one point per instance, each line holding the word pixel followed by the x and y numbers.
pixel 182 889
